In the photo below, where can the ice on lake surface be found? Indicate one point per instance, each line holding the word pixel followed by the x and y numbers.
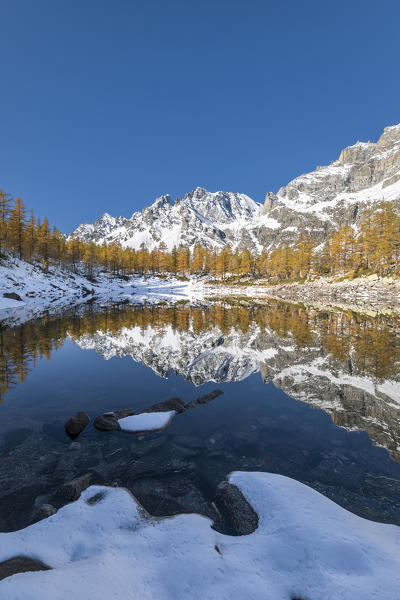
pixel 308 393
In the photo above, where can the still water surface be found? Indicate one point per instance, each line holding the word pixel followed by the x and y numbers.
pixel 311 394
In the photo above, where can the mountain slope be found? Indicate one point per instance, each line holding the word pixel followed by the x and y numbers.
pixel 337 194
pixel 213 219
pixel 315 203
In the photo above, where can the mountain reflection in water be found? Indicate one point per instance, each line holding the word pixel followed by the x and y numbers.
pixel 343 362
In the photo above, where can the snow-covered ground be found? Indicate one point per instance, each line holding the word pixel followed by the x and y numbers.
pixel 105 546
pixel 57 289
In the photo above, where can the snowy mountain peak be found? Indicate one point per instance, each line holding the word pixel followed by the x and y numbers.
pixel 210 218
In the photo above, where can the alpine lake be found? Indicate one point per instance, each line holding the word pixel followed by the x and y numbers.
pixel 310 393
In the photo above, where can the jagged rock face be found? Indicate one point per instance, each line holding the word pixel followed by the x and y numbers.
pixel 212 219
pixel 354 400
pixel 337 194
pixel 315 203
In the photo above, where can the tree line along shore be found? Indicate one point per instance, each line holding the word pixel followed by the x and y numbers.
pixel 371 247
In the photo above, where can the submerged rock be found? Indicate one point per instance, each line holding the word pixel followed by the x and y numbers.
pixel 204 399
pixel 76 424
pixel 175 404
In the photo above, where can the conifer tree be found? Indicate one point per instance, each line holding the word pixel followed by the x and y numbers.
pixel 16 227
pixel 5 209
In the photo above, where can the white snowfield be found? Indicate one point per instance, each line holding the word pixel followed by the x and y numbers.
pixel 305 547
pixel 150 421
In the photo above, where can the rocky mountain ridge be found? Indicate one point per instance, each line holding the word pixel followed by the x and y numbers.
pixel 212 219
pixel 314 203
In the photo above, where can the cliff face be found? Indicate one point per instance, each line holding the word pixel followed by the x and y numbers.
pixel 337 194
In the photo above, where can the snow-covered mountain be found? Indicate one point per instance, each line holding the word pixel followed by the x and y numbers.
pixel 314 203
pixel 331 196
pixel 213 219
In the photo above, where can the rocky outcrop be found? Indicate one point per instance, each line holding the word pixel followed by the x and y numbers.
pixel 338 194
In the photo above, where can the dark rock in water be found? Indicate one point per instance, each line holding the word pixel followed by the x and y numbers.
pixel 12 296
pixel 109 421
pixel 204 399
pixel 21 564
pixel 175 404
pixel 43 512
pixel 73 489
pixel 244 517
pixel 75 425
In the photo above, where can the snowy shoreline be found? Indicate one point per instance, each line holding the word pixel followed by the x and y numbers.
pixel 305 546
pixel 42 292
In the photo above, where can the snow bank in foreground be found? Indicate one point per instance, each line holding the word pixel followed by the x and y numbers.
pixel 305 547
pixel 147 421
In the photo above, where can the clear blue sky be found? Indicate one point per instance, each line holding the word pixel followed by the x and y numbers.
pixel 106 104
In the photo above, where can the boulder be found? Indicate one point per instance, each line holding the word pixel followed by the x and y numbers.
pixel 73 489
pixel 12 296
pixel 244 518
pixel 76 424
pixel 109 421
pixel 43 512
pixel 21 564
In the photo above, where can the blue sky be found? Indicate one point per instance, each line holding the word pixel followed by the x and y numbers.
pixel 105 105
